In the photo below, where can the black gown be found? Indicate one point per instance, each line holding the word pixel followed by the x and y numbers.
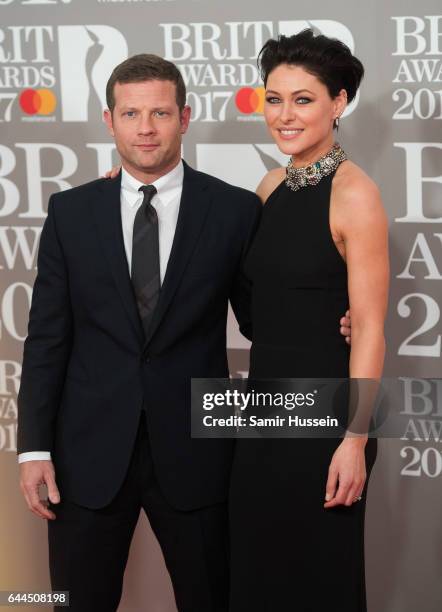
pixel 289 553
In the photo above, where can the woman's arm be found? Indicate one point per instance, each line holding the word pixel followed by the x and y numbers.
pixel 363 226
pixel 359 220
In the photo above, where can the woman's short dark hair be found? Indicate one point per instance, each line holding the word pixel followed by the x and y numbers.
pixel 329 59
pixel 146 67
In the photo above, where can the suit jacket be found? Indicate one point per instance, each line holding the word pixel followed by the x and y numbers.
pixel 87 366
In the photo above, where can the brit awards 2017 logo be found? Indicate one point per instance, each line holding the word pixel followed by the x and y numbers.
pixel 218 62
pixel 417 100
pixel 419 68
pixel 46 68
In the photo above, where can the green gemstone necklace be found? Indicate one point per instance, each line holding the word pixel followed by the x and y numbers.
pixel 312 174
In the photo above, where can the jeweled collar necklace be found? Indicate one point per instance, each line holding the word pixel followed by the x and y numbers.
pixel 312 174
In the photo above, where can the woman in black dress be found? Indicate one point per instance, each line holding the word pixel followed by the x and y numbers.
pixel 298 505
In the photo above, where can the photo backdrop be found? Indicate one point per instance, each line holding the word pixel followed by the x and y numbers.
pixel 55 59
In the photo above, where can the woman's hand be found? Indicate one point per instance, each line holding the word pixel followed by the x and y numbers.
pixel 112 173
pixel 347 473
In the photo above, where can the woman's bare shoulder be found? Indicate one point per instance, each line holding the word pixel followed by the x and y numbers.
pixel 270 182
pixel 356 198
pixel 351 181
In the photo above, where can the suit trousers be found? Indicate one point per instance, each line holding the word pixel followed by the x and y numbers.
pixel 88 549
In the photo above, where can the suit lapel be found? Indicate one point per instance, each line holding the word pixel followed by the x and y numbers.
pixel 107 213
pixel 194 206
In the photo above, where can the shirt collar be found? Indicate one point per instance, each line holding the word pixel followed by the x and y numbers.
pixel 166 185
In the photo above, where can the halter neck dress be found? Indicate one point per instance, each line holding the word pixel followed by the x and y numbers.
pixel 289 553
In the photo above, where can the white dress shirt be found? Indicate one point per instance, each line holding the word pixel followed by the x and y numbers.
pixel 167 204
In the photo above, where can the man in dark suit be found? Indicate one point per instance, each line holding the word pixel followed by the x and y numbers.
pixel 104 403
pixel 130 302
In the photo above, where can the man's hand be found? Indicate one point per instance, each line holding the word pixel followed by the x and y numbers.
pixel 345 324
pixel 33 474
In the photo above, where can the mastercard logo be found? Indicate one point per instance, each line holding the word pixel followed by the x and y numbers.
pixel 41 101
pixel 250 100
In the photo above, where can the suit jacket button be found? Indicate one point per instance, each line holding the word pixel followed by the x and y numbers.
pixel 146 359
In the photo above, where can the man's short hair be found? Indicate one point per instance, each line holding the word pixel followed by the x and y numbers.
pixel 146 67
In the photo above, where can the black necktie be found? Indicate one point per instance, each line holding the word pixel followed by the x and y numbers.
pixel 145 272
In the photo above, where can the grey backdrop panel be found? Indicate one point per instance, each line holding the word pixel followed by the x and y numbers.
pixel 64 50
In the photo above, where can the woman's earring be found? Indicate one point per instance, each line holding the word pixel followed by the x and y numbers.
pixel 336 123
